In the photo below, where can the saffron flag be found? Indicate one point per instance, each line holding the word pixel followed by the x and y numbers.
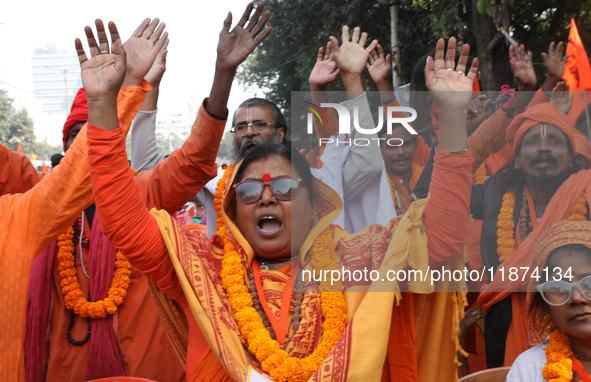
pixel 44 168
pixel 19 149
pixel 577 71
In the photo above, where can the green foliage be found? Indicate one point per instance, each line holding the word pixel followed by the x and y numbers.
pixel 15 126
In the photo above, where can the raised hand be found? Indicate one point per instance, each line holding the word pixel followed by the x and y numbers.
pixel 351 56
pixel 236 45
pixel 103 73
pixel 380 68
pixel 477 111
pixel 560 97
pixel 325 71
pixel 142 48
pixel 154 75
pixel 443 76
pixel 522 67
pixel 555 60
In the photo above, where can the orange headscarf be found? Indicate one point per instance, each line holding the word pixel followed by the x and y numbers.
pixel 582 145
pixel 540 113
pixel 78 113
pixel 558 235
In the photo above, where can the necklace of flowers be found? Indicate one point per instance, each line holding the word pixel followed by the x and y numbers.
pixel 560 360
pixel 274 360
pixel 74 297
pixel 480 174
pixel 416 174
pixel 506 226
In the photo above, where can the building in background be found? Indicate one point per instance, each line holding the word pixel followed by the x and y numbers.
pixel 56 79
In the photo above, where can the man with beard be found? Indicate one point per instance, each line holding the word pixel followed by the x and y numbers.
pixel 512 203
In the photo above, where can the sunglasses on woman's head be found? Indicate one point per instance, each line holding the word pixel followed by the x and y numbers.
pixel 559 292
pixel 251 191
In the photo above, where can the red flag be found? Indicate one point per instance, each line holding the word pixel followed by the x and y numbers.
pixel 19 149
pixel 577 71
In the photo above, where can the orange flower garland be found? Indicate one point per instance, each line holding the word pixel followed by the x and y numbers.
pixel 268 352
pixel 480 174
pixel 506 226
pixel 559 364
pixel 74 297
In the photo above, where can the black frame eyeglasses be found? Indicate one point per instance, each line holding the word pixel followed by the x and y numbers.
pixel 251 191
pixel 257 127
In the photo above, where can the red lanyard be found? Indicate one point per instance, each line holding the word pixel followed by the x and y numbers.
pixel 279 325
pixel 580 370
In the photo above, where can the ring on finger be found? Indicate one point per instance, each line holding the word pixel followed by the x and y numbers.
pixel 459 71
pixel 104 52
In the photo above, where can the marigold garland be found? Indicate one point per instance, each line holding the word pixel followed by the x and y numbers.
pixel 274 360
pixel 506 226
pixel 559 364
pixel 74 297
pixel 480 174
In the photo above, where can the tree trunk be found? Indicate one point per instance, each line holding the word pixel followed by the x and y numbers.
pixel 493 53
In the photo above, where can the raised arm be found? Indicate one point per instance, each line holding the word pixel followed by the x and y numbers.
pixel 324 73
pixel 68 185
pixel 144 152
pixel 447 212
pixel 182 175
pixel 363 162
pixel 135 232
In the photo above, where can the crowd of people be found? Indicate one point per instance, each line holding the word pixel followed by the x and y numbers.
pixel 103 273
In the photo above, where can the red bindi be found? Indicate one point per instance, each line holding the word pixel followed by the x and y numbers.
pixel 266 177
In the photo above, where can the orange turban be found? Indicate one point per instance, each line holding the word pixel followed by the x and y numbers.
pixel 78 113
pixel 582 145
pixel 540 113
pixel 558 235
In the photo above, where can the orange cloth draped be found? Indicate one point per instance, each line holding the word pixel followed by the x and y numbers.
pixel 186 265
pixel 577 70
pixel 30 221
pixel 558 209
pixel 489 138
pixel 17 173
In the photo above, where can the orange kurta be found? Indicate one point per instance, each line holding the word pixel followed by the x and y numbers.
pixel 30 221
pixel 17 173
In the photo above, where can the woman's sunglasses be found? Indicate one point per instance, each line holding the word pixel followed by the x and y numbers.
pixel 559 292
pixel 251 191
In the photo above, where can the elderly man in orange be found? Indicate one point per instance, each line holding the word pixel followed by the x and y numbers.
pixel 515 205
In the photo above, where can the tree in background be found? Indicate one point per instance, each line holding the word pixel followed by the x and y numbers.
pixel 16 126
pixel 283 62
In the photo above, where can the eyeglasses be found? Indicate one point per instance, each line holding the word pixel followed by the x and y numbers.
pixel 559 292
pixel 251 191
pixel 258 127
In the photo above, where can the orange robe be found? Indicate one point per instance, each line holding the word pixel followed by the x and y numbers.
pixel 30 221
pixel 17 174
